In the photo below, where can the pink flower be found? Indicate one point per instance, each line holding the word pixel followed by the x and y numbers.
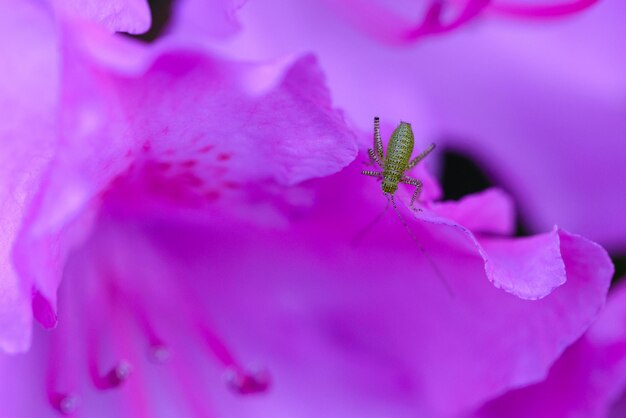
pixel 529 101
pixel 166 205
pixel 589 380
pixel 132 16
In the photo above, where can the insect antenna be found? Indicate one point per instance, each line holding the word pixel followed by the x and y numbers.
pixel 432 263
pixel 367 228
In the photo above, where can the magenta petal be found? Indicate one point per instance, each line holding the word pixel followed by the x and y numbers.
pixel 314 310
pixel 333 303
pixel 528 267
pixel 491 212
pixel 182 133
pixel 510 116
pixel 132 16
pixel 28 93
pixel 586 381
pixel 383 23
pixel 196 20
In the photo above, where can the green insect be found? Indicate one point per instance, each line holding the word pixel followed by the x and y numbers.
pixel 395 164
pixel 398 159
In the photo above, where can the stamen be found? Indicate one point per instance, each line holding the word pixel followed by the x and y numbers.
pixel 158 352
pixel 432 23
pixel 240 380
pixel 114 378
pixel 62 374
pixel 117 340
pixel 542 10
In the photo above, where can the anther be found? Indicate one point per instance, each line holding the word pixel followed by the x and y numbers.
pixel 121 371
pixel 115 377
pixel 65 403
pixel 159 354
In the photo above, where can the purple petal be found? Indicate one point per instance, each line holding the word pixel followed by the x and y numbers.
pixel 195 20
pixel 489 212
pixel 586 381
pixel 27 103
pixel 132 16
pixel 530 267
pixel 545 117
pixel 311 308
pixel 187 131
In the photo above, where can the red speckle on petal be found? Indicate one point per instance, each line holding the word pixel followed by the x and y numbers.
pixel 146 147
pixel 212 195
pixel 217 171
pixel 223 156
pixel 189 163
pixel 190 179
pixel 231 184
pixel 205 149
pixel 164 166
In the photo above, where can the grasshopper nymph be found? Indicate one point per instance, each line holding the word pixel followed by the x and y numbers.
pixel 394 164
pixel 397 160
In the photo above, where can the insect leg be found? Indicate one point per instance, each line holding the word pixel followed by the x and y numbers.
pixel 413 182
pixel 420 157
pixel 374 157
pixel 378 142
pixel 372 173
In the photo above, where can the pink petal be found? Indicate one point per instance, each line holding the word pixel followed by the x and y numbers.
pixel 314 309
pixel 196 20
pixel 319 317
pixel 586 381
pixel 544 82
pixel 382 21
pixel 490 212
pixel 27 101
pixel 530 267
pixel 180 135
pixel 132 16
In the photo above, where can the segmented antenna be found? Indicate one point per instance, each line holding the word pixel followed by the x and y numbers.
pixel 419 245
pixel 378 142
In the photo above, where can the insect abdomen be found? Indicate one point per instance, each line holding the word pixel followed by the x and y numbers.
pixel 398 154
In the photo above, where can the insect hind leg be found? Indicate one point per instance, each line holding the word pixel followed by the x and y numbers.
pixel 420 157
